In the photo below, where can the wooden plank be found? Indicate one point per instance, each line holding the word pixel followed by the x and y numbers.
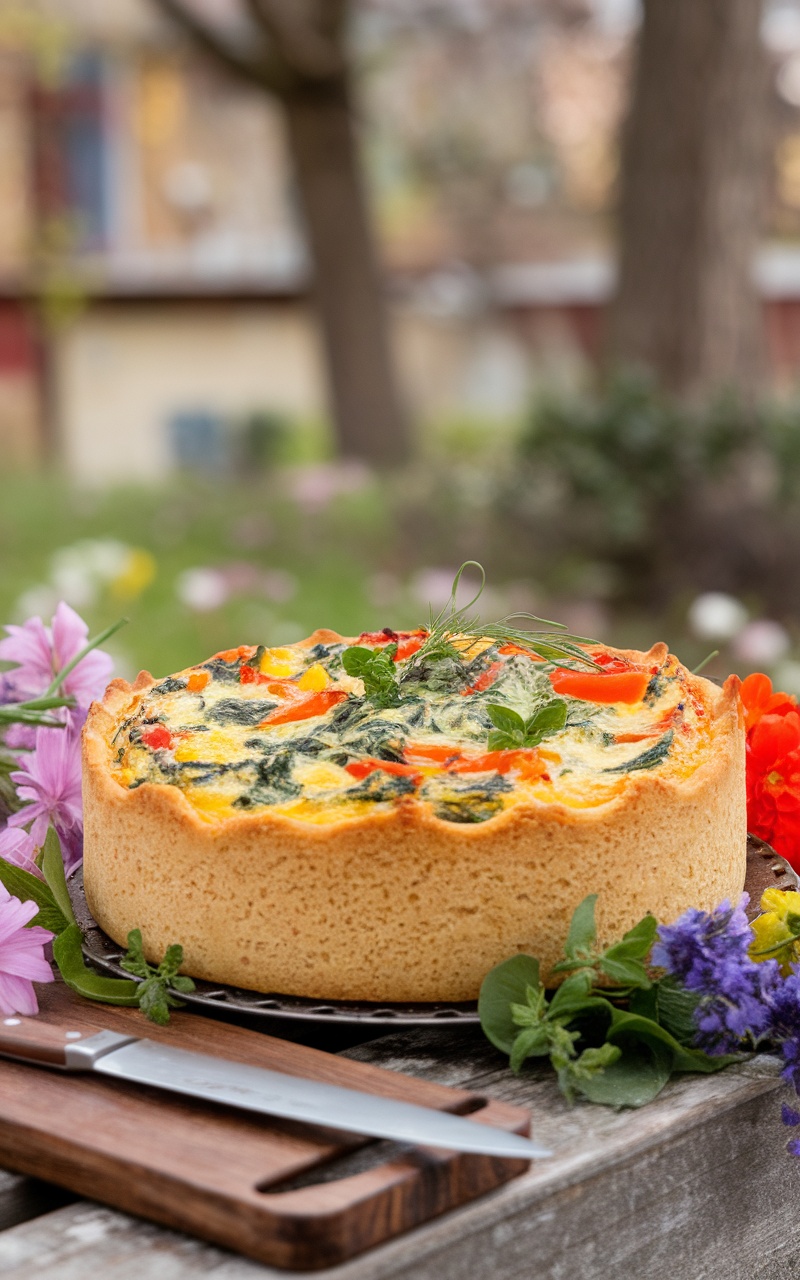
pixel 236 1179
pixel 23 1198
pixel 697 1186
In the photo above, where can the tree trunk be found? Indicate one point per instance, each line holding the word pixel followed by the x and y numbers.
pixel 369 419
pixel 691 196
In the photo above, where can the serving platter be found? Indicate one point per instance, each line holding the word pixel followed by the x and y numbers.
pixel 765 869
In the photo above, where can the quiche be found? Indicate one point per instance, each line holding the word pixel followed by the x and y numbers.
pixel 373 820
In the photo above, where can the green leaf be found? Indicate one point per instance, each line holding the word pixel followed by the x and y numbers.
pixel 377 670
pixel 500 741
pixel 637 943
pixel 675 1008
pixel 155 997
pixel 505 719
pixel 627 1025
pixel 53 872
pixel 582 930
pixel 636 1077
pixel 69 958
pixel 572 995
pixel 506 984
pixel 29 888
pixel 532 1042
pixel 626 973
pixel 550 718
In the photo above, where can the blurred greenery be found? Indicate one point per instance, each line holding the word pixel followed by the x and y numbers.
pixel 611 513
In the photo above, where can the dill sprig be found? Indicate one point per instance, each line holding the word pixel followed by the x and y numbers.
pixel 452 622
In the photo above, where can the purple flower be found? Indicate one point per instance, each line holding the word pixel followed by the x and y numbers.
pixel 22 960
pixel 49 785
pixel 707 953
pixel 19 848
pixel 40 652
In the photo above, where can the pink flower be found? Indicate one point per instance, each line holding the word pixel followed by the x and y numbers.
pixel 19 848
pixel 22 959
pixel 40 652
pixel 49 785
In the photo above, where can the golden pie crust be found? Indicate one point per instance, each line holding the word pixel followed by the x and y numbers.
pixel 401 905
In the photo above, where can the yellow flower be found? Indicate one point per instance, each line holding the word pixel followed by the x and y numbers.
pixel 777 930
pixel 137 572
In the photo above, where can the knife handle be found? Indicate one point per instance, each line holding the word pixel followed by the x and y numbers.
pixel 30 1040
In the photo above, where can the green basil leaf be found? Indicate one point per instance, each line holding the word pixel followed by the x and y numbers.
pixel 505 719
pixel 532 1042
pixel 582 930
pixel 550 718
pixel 29 888
pixel 500 741
pixel 69 958
pixel 53 872
pixel 506 984
pixel 356 659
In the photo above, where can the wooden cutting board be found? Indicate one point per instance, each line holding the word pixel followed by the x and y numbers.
pixel 280 1192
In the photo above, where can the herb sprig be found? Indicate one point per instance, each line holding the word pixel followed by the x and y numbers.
pixel 452 634
pixel 616 1043
pixel 452 622
pixel 154 995
pixel 511 731
pixel 158 984
pixel 376 667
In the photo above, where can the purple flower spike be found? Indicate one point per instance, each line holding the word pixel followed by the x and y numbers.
pixel 790 1116
pixel 22 959
pixel 707 953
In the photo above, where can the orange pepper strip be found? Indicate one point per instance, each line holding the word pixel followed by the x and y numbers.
pixel 484 680
pixel 501 761
pixel 363 768
pixel 431 754
pixel 622 686
pixel 198 681
pixel 316 704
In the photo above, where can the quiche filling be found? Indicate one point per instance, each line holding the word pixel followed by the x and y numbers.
pixel 292 730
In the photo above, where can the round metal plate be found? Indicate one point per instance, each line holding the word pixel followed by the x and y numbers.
pixel 765 869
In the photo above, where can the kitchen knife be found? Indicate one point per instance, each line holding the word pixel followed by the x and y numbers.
pixel 236 1084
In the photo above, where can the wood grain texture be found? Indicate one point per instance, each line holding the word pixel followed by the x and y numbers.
pixel 696 1186
pixel 211 1170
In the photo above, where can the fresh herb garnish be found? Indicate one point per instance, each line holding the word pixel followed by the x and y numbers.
pixel 454 623
pixel 155 993
pixel 511 731
pixel 617 1044
pixel 376 667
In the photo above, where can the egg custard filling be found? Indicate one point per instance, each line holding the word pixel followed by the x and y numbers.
pixel 293 730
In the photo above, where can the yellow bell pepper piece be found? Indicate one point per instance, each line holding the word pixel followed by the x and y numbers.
pixel 278 662
pixel 314 680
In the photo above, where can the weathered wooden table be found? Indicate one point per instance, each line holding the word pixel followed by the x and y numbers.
pixel 696 1186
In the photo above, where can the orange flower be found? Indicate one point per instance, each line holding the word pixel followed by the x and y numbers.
pixel 773 766
pixel 759 700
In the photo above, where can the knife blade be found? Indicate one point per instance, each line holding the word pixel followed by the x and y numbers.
pixel 258 1089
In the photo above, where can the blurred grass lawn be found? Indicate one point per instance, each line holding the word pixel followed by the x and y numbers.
pixel 330 552
pixel 305 546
